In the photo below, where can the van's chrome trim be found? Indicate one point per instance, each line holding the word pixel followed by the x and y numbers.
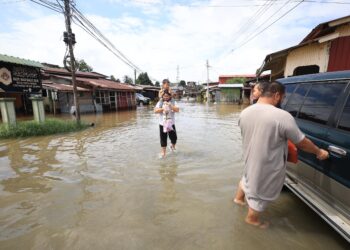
pixel 337 150
pixel 329 214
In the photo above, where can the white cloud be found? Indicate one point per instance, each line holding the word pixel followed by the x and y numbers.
pixel 191 35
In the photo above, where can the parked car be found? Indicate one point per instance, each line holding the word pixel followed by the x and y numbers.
pixel 320 104
pixel 142 99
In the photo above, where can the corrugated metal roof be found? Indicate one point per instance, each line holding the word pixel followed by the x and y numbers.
pixel 20 61
pixel 238 76
pixel 231 85
pixel 314 36
pixel 63 71
pixel 102 83
pixel 63 87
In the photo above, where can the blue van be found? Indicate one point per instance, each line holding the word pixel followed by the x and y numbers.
pixel 320 104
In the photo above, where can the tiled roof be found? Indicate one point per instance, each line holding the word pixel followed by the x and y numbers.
pixel 20 61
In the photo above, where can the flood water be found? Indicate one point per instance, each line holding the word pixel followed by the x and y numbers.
pixel 106 188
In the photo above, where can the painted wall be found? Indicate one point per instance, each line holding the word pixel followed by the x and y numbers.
pixel 313 54
pixel 228 95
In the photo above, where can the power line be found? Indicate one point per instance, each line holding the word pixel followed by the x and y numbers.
pixel 238 5
pixel 253 19
pixel 98 34
pixel 80 20
pixel 48 4
pixel 270 17
pixel 261 31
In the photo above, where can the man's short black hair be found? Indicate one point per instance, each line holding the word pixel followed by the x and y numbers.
pixel 273 88
pixel 165 81
pixel 262 85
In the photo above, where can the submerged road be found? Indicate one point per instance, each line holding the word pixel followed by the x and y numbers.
pixel 106 188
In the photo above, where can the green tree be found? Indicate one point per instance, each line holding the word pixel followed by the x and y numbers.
pixel 113 78
pixel 127 79
pixel 236 80
pixel 157 84
pixel 143 79
pixel 84 67
pixel 182 83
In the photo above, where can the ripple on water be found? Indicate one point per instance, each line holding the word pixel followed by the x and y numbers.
pixel 107 183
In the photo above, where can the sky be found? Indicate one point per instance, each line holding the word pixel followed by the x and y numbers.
pixel 167 38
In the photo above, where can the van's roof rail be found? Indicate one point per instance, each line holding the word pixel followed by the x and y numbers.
pixel 336 75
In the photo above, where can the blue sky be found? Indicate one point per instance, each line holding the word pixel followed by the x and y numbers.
pixel 160 35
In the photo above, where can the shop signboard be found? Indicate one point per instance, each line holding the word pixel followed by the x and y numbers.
pixel 19 78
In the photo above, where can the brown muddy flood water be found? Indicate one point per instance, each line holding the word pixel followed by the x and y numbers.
pixel 106 188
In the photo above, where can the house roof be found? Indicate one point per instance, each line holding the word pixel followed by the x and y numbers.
pixel 108 84
pixel 231 85
pixel 101 83
pixel 238 76
pixel 62 71
pixel 148 87
pixel 210 86
pixel 20 61
pixel 325 28
pixel 61 87
pixel 321 33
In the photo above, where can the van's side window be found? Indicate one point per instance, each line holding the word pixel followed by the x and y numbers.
pixel 297 99
pixel 344 122
pixel 289 91
pixel 319 102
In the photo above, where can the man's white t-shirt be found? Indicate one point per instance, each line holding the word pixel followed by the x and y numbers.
pixel 265 131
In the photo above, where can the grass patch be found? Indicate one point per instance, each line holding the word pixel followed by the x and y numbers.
pixel 33 128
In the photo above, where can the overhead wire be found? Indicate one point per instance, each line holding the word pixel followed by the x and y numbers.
pixel 279 18
pixel 47 4
pixel 252 20
pixel 78 15
pixel 81 21
pixel 270 17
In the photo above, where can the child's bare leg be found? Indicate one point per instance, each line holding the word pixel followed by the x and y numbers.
pixel 253 218
pixel 239 197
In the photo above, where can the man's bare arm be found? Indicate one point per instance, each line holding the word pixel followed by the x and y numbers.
pixel 308 146
pixel 158 110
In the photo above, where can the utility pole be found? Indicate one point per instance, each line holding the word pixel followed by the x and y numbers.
pixel 67 15
pixel 207 81
pixel 135 76
pixel 177 74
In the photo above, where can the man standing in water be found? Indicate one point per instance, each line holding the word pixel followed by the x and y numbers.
pixel 265 130
pixel 166 110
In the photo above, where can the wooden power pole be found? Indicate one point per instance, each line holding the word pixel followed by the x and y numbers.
pixel 207 94
pixel 67 15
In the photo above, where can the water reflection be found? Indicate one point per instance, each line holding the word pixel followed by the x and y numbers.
pixel 106 188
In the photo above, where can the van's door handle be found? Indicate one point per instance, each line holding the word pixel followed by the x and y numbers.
pixel 337 150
